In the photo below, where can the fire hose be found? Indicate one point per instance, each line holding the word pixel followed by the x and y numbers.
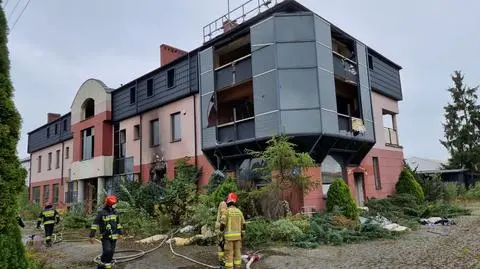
pixel 169 239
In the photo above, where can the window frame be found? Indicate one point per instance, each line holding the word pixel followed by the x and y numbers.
pixel 39 168
pixel 137 132
pixel 150 87
pixel 173 125
pixel 152 134
pixel 50 156
pixel 133 95
pixel 67 153
pixel 57 159
pixel 56 193
pixel 376 173
pixel 171 72
pixel 48 132
pixel 84 136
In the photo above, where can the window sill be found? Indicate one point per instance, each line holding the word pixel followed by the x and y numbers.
pixel 154 146
pixel 136 139
pixel 176 140
pixel 378 188
pixel 393 146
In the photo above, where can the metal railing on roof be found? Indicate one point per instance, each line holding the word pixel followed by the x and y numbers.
pixel 237 15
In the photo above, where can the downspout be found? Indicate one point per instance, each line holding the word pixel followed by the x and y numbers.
pixel 194 112
pixel 62 188
pixel 30 194
pixel 141 146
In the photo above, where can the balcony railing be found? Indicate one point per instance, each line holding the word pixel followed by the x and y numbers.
pixel 345 68
pixel 234 72
pixel 238 15
pixel 235 131
pixel 71 196
pixel 391 136
pixel 350 124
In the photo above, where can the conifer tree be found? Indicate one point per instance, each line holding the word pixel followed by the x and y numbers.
pixel 12 175
pixel 461 127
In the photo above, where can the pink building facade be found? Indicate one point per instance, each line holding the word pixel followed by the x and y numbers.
pixel 233 93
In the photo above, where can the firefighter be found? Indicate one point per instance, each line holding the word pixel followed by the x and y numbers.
pixel 233 228
pixel 108 223
pixel 222 207
pixel 49 217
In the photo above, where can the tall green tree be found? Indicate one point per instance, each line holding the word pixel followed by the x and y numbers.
pixel 461 126
pixel 12 175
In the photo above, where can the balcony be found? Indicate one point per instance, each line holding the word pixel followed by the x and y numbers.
pixel 391 136
pixel 348 124
pixel 344 68
pixel 235 131
pixel 233 73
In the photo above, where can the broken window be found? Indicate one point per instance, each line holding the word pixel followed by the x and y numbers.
pixel 390 127
pixel 235 104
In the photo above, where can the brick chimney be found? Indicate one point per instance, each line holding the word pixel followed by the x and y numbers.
pixel 52 116
pixel 169 54
pixel 229 25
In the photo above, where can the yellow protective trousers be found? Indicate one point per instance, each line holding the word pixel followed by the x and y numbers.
pixel 233 253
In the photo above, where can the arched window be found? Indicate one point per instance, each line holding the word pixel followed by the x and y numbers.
pixel 88 109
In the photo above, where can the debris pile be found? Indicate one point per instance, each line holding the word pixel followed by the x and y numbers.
pixel 384 223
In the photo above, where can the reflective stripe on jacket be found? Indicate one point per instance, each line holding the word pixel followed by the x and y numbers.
pixel 234 224
pixel 107 222
pixel 48 216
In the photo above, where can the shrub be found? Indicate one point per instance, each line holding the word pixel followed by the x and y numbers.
pixel 28 210
pixel 473 193
pixel 137 222
pixel 258 233
pixel 285 230
pixel 215 180
pixel 453 191
pixel 445 210
pixel 180 193
pixel 149 197
pixel 432 186
pixel 339 196
pixel 76 217
pixel 403 209
pixel 204 212
pixel 226 187
pixel 407 184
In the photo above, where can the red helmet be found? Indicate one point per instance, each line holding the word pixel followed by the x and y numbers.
pixel 110 200
pixel 232 198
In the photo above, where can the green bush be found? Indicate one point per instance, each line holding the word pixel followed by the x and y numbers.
pixel 137 221
pixel 453 191
pixel 204 212
pixel 339 196
pixel 180 193
pixel 407 184
pixel 215 180
pixel 403 209
pixel 473 193
pixel 323 232
pixel 284 230
pixel 445 210
pixel 28 210
pixel 258 233
pixel 227 186
pixel 432 186
pixel 76 217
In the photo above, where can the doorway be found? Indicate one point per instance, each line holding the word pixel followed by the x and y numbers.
pixel 359 183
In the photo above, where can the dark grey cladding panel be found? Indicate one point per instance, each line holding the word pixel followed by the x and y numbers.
pixel 385 78
pixel 121 107
pixel 38 138
pixel 185 83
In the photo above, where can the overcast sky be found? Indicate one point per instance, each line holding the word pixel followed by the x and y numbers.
pixel 58 44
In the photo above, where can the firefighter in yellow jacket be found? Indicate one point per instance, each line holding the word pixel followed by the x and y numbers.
pixel 222 208
pixel 232 224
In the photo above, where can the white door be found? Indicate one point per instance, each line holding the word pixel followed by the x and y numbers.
pixel 359 187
